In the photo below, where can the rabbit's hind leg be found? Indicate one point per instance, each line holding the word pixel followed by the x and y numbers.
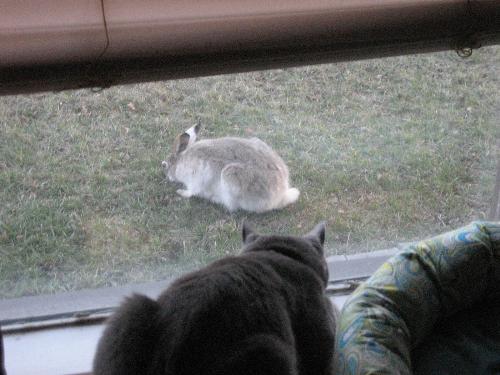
pixel 231 185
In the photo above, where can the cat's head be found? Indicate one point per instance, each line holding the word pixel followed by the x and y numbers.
pixel 307 249
pixel 181 144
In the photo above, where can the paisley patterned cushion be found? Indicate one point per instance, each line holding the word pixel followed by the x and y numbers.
pixel 397 307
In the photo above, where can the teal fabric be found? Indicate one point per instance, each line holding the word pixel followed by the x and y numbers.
pixel 405 299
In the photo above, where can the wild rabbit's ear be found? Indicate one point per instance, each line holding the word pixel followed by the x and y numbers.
pixel 248 233
pixel 183 142
pixel 193 133
pixel 318 233
pixel 197 127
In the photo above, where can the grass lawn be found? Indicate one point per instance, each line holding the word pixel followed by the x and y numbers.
pixel 386 151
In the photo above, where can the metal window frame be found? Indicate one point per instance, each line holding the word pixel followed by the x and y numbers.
pixel 68 44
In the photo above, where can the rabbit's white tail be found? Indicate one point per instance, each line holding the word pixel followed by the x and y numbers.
pixel 290 196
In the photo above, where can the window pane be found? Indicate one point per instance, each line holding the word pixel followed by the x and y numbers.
pixel 387 151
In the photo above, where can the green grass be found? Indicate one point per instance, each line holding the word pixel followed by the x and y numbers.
pixel 386 151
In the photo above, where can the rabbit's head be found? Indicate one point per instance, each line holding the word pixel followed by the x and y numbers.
pixel 182 142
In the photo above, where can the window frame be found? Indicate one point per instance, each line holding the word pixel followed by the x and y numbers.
pixel 207 37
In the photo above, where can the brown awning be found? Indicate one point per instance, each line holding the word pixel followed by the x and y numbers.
pixel 64 44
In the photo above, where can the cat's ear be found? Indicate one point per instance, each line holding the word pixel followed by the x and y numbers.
pixel 318 233
pixel 248 233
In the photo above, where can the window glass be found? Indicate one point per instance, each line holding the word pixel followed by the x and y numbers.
pixel 386 151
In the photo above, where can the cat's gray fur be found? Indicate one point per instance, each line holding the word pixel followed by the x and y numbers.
pixel 264 312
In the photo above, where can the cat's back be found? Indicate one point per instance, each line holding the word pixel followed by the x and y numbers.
pixel 244 292
pixel 217 308
pixel 232 278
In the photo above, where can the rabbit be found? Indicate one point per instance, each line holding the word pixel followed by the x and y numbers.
pixel 238 173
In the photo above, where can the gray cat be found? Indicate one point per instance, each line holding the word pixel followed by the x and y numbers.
pixel 264 312
pixel 238 173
